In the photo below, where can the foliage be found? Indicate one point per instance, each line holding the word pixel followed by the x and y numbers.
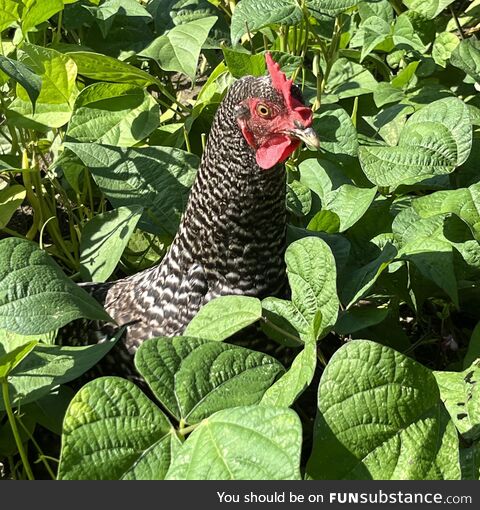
pixel 105 106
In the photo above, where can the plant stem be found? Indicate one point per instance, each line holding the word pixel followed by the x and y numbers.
pixel 58 33
pixel 457 22
pixel 41 455
pixel 183 431
pixel 354 111
pixel 13 425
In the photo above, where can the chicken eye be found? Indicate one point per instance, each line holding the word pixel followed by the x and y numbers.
pixel 263 110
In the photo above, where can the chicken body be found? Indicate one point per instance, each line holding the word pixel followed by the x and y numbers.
pixel 232 236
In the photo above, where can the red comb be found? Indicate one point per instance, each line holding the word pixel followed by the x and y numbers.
pixel 279 80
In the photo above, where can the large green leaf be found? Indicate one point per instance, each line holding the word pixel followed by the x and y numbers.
pixel 179 49
pixel 34 12
pixel 331 7
pixel 48 366
pixel 460 392
pixel 106 13
pixel 156 178
pixel 104 238
pixel 360 280
pixel 375 31
pixel 35 295
pixel 380 416
pixel 336 130
pixel 194 378
pixel 466 56
pixel 113 431
pixel 312 277
pixel 252 15
pixel 23 75
pixel 428 8
pixel 349 79
pixel 349 203
pixel 114 114
pixel 243 443
pixel 224 316
pixel 464 202
pixel 423 243
pixel 298 377
pixel 8 13
pixel 54 104
pixel 104 68
pixel 434 141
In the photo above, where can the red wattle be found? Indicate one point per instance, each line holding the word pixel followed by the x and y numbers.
pixel 275 150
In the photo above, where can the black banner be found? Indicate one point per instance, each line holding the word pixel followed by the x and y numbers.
pixel 309 494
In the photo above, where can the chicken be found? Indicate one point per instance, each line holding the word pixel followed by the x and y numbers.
pixel 231 239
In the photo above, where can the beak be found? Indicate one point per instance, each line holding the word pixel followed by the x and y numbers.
pixel 306 135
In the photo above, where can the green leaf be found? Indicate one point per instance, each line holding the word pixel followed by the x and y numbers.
pixel 358 318
pixel 11 359
pixel 358 282
pixel 54 104
pixel 380 416
pixel 257 14
pixel 113 431
pixel 466 56
pixel 10 198
pixel 243 443
pixel 179 49
pixel 35 12
pixel 312 277
pixel 433 142
pixel 156 178
pixel 445 43
pixel 8 13
pixel 50 410
pixel 241 64
pixel 434 259
pixel 460 392
pixel 114 114
pixel 104 238
pixel 428 8
pixel 194 378
pixel 336 130
pixel 423 242
pixel 23 75
pixel 35 295
pixel 299 198
pixel 349 203
pixel 349 79
pixel 106 13
pixel 386 93
pixel 325 221
pixel 473 350
pixel 224 316
pixel 298 377
pixel 103 68
pixel 331 7
pixel 405 35
pixel 375 31
pixel 50 365
pixel 10 340
pixel 470 462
